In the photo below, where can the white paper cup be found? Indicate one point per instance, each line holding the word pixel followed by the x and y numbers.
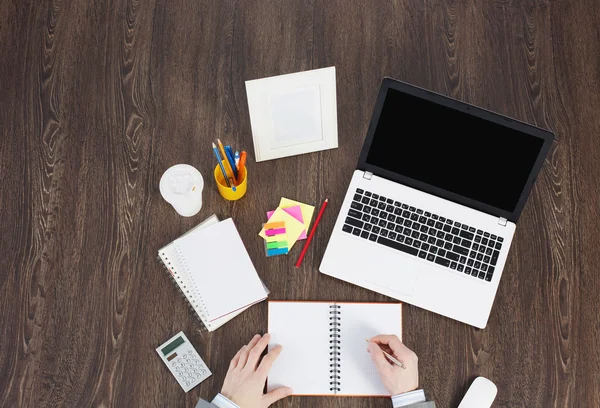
pixel 181 186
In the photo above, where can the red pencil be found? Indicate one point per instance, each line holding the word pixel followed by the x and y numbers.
pixel 312 232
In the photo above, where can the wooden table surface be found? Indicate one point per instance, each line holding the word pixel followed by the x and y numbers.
pixel 98 98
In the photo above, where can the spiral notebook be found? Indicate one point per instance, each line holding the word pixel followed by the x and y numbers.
pixel 324 348
pixel 212 269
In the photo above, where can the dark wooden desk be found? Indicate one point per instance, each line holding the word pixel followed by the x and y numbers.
pixel 100 97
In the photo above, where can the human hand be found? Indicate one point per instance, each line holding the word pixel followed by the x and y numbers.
pixel 397 380
pixel 246 378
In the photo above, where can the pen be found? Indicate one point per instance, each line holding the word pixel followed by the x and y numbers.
pixel 221 165
pixel 228 170
pixel 391 358
pixel 236 157
pixel 229 153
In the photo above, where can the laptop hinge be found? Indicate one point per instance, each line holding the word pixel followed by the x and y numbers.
pixel 502 221
pixel 367 175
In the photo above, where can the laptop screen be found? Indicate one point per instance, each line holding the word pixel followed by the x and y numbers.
pixel 453 150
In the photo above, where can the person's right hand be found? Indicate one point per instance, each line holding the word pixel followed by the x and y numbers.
pixel 397 380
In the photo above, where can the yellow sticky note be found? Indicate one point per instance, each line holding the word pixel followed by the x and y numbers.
pixel 274 238
pixel 293 227
pixel 307 210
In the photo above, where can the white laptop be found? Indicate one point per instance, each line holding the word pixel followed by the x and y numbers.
pixel 432 207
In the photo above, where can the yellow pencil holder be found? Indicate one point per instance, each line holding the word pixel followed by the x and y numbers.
pixel 227 192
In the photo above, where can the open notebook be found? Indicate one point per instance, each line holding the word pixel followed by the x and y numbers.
pixel 314 361
pixel 212 269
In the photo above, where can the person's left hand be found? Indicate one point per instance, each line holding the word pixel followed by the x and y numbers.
pixel 246 378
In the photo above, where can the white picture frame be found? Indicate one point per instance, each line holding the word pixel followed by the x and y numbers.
pixel 293 114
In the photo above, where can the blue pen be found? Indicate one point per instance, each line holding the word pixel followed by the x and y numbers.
pixel 229 154
pixel 221 164
pixel 236 157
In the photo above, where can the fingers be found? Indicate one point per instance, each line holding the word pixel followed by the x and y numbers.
pixel 393 342
pixel 269 359
pixel 390 340
pixel 234 361
pixel 244 351
pixel 256 351
pixel 380 360
pixel 277 394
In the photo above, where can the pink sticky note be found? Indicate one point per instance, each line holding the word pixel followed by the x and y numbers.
pixel 296 212
pixel 273 232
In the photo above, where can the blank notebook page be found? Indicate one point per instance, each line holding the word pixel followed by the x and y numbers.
pixel 302 328
pixel 219 269
pixel 360 321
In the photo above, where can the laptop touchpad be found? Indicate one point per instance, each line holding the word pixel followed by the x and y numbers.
pixel 403 280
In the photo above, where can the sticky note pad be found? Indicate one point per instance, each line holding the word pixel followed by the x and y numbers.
pixel 307 210
pixel 293 227
pixel 275 238
pixel 296 212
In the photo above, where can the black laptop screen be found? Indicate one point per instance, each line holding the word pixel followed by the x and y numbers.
pixel 452 150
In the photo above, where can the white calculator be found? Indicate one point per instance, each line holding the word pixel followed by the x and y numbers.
pixel 183 361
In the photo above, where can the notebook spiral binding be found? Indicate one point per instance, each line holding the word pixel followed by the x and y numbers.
pixel 172 272
pixel 335 347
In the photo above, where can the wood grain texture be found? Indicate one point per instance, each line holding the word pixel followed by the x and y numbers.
pixel 100 97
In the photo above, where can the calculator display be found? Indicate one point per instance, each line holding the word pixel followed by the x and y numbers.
pixel 173 345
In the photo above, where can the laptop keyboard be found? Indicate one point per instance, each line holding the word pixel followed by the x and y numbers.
pixel 422 234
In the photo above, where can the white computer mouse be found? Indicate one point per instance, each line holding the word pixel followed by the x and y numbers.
pixel 480 394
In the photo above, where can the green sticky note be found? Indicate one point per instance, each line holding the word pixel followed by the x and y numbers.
pixel 277 244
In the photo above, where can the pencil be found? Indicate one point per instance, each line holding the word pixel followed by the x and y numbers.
pixel 228 169
pixel 391 358
pixel 221 165
pixel 229 154
pixel 312 233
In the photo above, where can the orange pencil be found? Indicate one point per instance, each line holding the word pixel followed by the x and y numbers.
pixel 241 165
